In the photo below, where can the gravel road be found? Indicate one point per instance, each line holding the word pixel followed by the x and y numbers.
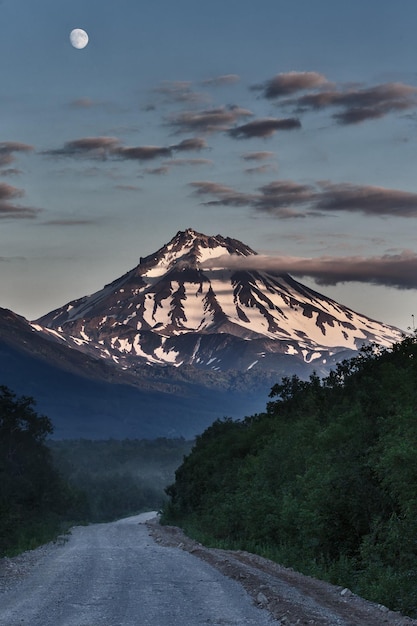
pixel 117 575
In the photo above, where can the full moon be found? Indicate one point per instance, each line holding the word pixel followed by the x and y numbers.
pixel 78 38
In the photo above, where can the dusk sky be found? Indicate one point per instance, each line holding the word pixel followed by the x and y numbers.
pixel 289 125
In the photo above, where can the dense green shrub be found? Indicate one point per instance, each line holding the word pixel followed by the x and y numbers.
pixel 325 480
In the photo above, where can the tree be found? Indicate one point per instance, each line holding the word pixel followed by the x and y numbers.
pixel 32 494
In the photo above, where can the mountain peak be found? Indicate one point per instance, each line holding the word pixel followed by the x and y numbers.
pixel 189 247
pixel 173 309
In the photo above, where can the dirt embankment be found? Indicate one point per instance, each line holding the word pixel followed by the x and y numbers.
pixel 292 598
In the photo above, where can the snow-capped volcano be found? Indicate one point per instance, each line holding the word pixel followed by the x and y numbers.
pixel 173 309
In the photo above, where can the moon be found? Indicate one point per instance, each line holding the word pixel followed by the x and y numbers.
pixel 78 38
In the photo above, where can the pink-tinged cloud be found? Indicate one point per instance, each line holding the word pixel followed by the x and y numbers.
pixel 289 83
pixel 390 270
pixel 83 103
pixel 225 196
pixel 194 144
pixel 8 150
pixel 208 121
pixel 359 104
pixel 157 171
pixel 88 147
pixel 8 207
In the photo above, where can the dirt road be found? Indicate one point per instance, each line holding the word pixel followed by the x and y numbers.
pixel 117 575
pixel 135 572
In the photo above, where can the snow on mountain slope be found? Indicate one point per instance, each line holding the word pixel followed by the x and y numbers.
pixel 171 309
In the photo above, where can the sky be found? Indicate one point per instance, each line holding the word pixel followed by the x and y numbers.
pixel 290 125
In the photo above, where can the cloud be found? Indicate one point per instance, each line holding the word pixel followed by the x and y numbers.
pixel 103 148
pixel 208 121
pixel 261 169
pixel 286 198
pixel 142 153
pixel 360 104
pixel 290 82
pixel 128 188
pixel 366 199
pixel 186 162
pixel 70 222
pixel 225 196
pixel 178 92
pixel 89 147
pixel 82 103
pixel 219 81
pixel 193 144
pixel 265 127
pixel 390 270
pixel 8 208
pixel 11 171
pixel 8 150
pixel 157 171
pixel 258 156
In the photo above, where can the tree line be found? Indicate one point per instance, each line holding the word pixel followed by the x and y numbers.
pixel 324 481
pixel 46 486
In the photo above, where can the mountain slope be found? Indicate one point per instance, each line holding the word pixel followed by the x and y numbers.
pixel 93 398
pixel 173 309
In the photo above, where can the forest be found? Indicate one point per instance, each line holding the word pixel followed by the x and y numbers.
pixel 47 486
pixel 324 481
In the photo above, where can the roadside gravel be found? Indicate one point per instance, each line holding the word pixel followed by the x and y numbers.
pixel 292 598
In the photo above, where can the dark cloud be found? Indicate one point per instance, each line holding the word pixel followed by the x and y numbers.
pixel 89 147
pixel 8 150
pixel 359 104
pixel 142 153
pixel 207 121
pixel 390 270
pixel 265 127
pixel 110 147
pixel 280 197
pixel 286 198
pixel 289 83
pixel 8 207
pixel 219 81
pixel 258 156
pixel 366 199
